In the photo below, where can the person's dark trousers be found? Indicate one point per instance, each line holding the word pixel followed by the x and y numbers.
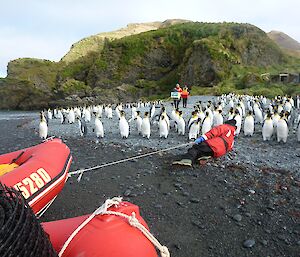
pixel 197 151
pixel 184 102
pixel 176 103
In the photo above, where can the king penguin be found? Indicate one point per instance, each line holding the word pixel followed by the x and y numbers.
pixel 109 112
pixel 87 114
pixel 133 112
pixel 152 111
pixel 146 130
pixel 43 128
pixel 276 118
pixel 98 127
pixel 123 124
pixel 194 129
pixel 71 116
pixel 50 115
pixel 258 114
pixel 82 126
pixel 238 120
pixel 282 129
pixel 193 118
pixel 163 126
pixel 139 121
pixel 249 124
pixel 231 113
pixel 298 131
pixel 218 118
pixel 181 124
pixel 206 124
pixel 267 129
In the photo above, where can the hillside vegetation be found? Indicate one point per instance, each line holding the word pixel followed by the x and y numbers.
pixel 211 58
pixel 286 43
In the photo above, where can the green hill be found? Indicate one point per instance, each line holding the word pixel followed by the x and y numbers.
pixel 96 42
pixel 286 43
pixel 212 57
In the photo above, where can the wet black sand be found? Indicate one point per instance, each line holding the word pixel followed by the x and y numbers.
pixel 192 211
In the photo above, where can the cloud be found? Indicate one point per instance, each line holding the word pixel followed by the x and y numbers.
pixel 14 45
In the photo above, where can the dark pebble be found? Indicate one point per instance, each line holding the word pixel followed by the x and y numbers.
pixel 249 243
pixel 185 193
pixel 177 246
pixel 264 242
pixel 127 192
pixel 195 200
pixel 237 217
pixel 178 185
pixel 281 237
pixel 198 224
pixel 180 204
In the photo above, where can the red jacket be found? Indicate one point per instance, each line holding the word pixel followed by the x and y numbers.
pixel 184 94
pixel 220 139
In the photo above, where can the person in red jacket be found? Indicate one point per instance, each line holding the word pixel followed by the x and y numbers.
pixel 184 95
pixel 216 142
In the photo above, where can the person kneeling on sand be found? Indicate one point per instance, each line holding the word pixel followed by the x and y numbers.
pixel 215 143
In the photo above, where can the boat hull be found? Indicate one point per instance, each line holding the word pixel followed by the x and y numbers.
pixel 104 235
pixel 42 172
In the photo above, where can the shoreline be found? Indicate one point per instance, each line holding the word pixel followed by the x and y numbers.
pixel 194 212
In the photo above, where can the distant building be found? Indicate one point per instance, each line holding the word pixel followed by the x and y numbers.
pixel 285 78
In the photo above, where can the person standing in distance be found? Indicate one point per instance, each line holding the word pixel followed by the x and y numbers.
pixel 177 96
pixel 184 95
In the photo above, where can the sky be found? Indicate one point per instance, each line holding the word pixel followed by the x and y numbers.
pixel 46 29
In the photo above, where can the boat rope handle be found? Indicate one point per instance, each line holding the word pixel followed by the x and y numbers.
pixel 132 220
pixel 108 203
pixel 81 171
pixel 17 158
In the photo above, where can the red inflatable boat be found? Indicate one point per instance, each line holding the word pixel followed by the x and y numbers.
pixel 105 235
pixel 39 172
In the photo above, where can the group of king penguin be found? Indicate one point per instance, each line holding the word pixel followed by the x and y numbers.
pixel 275 116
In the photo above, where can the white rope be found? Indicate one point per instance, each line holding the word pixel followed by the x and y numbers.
pixel 81 171
pixel 41 213
pixel 132 220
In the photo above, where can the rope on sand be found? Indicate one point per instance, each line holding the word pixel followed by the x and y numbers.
pixel 81 171
pixel 132 220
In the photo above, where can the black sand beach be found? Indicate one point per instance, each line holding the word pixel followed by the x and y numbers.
pixel 210 210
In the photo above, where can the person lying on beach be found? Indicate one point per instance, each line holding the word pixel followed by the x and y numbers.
pixel 215 143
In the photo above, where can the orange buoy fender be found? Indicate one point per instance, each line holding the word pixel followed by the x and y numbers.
pixel 104 235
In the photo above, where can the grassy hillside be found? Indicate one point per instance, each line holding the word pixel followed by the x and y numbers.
pixel 210 57
pixel 199 54
pixel 41 73
pixel 289 45
pixel 96 42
